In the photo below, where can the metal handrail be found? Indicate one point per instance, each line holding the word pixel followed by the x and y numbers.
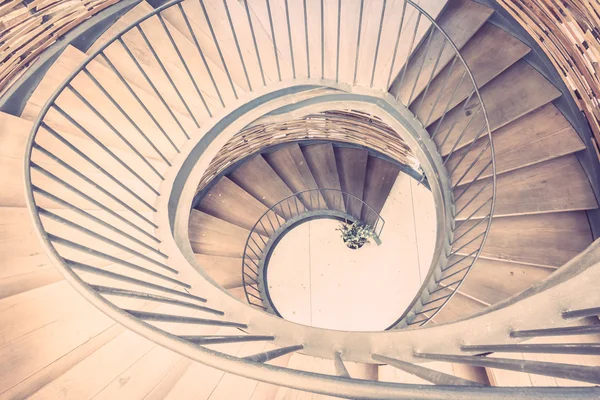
pixel 421 311
pixel 272 223
pixel 125 208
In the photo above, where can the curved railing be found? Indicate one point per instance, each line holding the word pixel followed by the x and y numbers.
pixel 283 215
pixel 93 205
pixel 466 150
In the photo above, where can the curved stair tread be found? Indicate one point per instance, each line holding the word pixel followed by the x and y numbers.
pixel 352 168
pixel 322 163
pixel 160 42
pixel 545 240
pixel 369 25
pixel 279 61
pixel 141 376
pixel 487 54
pixel 492 281
pixel 391 57
pixel 517 91
pixel 214 382
pixel 229 202
pixel 24 264
pixel 539 136
pixel 257 177
pixel 213 236
pixel 68 61
pixel 30 352
pixel 459 306
pixel 224 270
pixel 534 189
pixel 291 166
pixel 379 181
pixel 226 40
pixel 460 20
pixel 117 356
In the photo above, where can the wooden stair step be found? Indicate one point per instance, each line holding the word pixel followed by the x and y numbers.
pixel 225 271
pixel 322 163
pixel 391 59
pixel 379 181
pixel 141 377
pixel 79 382
pixel 539 136
pixel 291 166
pixel 213 236
pixel 13 137
pixel 459 306
pixel 23 260
pixel 72 229
pixel 279 65
pixel 257 177
pixel 258 29
pixel 352 168
pixel 225 45
pixel 492 281
pixel 54 369
pixel 500 377
pixel 490 52
pixel 32 351
pixel 556 185
pixel 200 108
pixel 233 386
pixel 231 203
pixel 68 61
pixel 546 240
pixel 372 13
pixel 460 20
pixel 514 93
pixel 117 173
pixel 166 384
pixel 216 384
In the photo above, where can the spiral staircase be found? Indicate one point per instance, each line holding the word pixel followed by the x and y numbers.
pixel 148 173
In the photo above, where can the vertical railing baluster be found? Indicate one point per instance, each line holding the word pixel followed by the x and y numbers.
pixel 441 119
pixel 337 53
pixel 270 222
pixel 306 38
pixel 169 78
pixel 141 103
pixel 427 48
pixel 289 29
pixel 237 44
pixel 274 39
pixel 360 18
pixel 397 43
pixel 441 91
pixel 296 203
pixel 132 122
pixel 431 76
pixel 109 152
pixel 115 130
pixel 154 89
pixel 322 39
pixel 216 42
pixel 465 129
pixel 185 66
pixel 260 66
pixel 200 52
pixel 288 201
pixel 383 7
pixel 405 67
